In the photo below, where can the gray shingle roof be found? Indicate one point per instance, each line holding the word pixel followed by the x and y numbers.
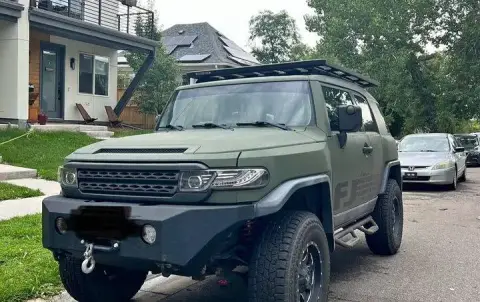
pixel 208 46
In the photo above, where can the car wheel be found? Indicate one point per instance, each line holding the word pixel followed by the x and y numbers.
pixel 453 185
pixel 388 215
pixel 104 284
pixel 463 178
pixel 291 260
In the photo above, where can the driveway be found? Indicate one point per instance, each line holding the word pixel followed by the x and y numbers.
pixel 438 260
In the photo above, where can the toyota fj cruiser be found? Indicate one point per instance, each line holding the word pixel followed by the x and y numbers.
pixel 266 167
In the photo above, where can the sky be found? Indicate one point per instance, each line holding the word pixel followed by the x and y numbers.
pixel 231 17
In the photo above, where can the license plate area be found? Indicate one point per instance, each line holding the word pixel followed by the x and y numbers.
pixel 99 224
pixel 410 175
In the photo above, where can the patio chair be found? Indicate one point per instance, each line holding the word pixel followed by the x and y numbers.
pixel 86 117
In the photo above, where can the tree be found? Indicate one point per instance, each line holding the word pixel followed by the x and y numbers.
pixel 277 35
pixel 388 40
pixel 161 79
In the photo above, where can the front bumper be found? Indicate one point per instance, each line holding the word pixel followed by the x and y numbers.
pixel 187 236
pixel 440 177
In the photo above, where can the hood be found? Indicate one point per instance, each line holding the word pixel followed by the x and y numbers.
pixel 200 141
pixel 422 158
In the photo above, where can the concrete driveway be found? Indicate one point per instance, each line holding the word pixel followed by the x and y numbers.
pixel 439 258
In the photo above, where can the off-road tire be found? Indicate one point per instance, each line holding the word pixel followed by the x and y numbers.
pixel 274 268
pixel 96 286
pixel 463 178
pixel 388 238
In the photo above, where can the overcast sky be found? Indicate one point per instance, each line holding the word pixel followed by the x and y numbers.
pixel 230 17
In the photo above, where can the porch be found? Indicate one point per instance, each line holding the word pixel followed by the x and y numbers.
pixel 72 48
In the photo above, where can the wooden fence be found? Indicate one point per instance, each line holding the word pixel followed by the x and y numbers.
pixel 131 115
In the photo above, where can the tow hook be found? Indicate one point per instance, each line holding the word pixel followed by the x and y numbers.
pixel 88 264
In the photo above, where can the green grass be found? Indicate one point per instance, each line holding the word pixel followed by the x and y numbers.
pixel 9 191
pixel 43 151
pixel 129 132
pixel 27 270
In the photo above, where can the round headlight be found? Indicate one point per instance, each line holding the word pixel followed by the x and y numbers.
pixel 149 234
pixel 70 178
pixel 195 182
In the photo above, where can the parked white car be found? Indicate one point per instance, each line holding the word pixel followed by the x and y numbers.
pixel 434 158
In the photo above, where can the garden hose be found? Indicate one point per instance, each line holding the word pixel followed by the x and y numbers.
pixel 15 138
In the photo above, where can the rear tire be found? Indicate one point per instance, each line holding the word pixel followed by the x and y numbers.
pixel 104 284
pixel 291 260
pixel 388 214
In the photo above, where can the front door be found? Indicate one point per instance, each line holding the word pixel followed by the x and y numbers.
pixel 52 76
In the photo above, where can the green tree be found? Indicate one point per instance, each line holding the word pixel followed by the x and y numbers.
pixel 161 79
pixel 273 36
pixel 388 40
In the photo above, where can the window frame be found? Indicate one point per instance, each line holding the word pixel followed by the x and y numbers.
pixel 93 75
pixel 355 94
pixel 322 85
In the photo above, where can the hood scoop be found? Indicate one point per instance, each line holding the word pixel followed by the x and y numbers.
pixel 141 151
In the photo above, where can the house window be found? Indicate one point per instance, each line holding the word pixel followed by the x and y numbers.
pixel 93 74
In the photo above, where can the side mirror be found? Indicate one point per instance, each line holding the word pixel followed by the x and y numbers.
pixel 349 120
pixel 459 149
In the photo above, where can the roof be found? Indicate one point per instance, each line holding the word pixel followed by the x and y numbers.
pixel 202 43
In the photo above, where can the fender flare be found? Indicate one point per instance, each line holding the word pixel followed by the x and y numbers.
pixel 386 174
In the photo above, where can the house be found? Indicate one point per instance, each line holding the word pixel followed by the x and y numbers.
pixel 65 52
pixel 196 47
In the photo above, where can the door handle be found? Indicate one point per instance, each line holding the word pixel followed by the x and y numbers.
pixel 367 149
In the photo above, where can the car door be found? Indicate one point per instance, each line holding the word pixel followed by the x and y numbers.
pixel 460 157
pixel 349 165
pixel 376 161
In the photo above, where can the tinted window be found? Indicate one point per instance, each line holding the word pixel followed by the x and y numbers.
pixel 281 102
pixel 333 98
pixel 369 124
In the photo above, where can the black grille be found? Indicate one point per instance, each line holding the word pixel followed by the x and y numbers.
pixel 416 167
pixel 142 151
pixel 128 182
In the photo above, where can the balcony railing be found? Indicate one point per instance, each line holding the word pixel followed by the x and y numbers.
pixel 113 14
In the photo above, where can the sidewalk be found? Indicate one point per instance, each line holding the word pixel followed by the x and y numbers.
pixel 21 207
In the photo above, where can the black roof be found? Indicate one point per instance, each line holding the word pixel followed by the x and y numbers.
pixel 201 43
pixel 320 67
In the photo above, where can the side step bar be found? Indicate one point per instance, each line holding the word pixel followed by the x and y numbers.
pixel 360 225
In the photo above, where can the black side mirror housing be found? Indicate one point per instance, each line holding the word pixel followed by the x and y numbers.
pixel 459 149
pixel 349 120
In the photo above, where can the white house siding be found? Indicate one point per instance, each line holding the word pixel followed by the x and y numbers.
pixel 14 68
pixel 95 105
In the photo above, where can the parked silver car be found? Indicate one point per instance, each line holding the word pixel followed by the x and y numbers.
pixel 435 158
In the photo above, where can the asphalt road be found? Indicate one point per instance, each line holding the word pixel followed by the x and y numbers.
pixel 439 259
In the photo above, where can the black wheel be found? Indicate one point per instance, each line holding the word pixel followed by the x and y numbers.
pixel 453 185
pixel 291 260
pixel 106 284
pixel 388 215
pixel 463 178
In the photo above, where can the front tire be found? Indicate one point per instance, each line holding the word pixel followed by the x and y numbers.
pixel 291 260
pixel 453 185
pixel 463 178
pixel 104 284
pixel 388 214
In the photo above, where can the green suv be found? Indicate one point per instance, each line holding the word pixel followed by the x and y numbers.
pixel 269 168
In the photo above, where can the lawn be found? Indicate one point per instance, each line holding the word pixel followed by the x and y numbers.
pixel 43 151
pixel 129 132
pixel 27 270
pixel 9 191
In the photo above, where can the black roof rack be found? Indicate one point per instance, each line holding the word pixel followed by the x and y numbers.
pixel 320 67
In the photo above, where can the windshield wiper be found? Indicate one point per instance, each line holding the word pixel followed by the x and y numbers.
pixel 265 123
pixel 178 127
pixel 212 125
pixel 428 150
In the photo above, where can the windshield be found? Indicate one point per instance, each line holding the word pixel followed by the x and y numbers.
pixel 424 143
pixel 286 103
pixel 469 142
